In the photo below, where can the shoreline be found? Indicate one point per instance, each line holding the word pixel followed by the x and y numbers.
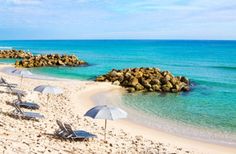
pixel 188 131
pixel 85 102
pixel 155 134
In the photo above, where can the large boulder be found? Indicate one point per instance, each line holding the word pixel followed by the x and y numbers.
pixel 133 82
pixel 139 87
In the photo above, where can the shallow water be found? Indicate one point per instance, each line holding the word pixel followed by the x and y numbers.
pixel 211 66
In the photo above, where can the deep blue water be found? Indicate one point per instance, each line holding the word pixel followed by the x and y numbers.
pixel 211 66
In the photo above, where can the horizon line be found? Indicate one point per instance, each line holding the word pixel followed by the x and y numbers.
pixel 129 39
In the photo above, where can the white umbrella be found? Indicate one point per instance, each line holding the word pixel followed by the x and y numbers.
pixel 47 89
pixel 22 73
pixel 107 113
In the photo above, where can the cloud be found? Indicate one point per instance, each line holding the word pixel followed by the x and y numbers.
pixel 24 2
pixel 117 18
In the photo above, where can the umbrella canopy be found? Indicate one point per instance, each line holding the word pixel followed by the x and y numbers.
pixel 107 113
pixel 47 89
pixel 21 72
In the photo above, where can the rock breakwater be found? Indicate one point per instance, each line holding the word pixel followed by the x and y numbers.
pixel 14 54
pixel 50 60
pixel 146 79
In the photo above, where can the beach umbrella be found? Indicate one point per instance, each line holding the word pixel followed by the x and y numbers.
pixel 107 113
pixel 22 73
pixel 47 89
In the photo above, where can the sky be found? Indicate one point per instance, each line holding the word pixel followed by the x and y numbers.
pixel 118 19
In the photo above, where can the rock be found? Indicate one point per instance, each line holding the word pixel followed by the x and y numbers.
pixel 131 90
pixel 184 79
pixel 163 80
pixel 156 87
pixel 155 81
pixel 60 63
pixel 101 78
pixel 113 74
pixel 176 88
pixel 147 85
pixel 146 79
pixel 169 85
pixel 17 63
pixel 174 81
pixel 167 77
pixel 134 82
pixel 139 87
pixel 165 88
pixel 128 75
pixel 121 78
pixel 138 74
pixel 117 83
pixel 186 88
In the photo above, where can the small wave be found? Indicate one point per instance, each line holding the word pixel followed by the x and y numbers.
pixel 5 47
pixel 206 86
pixel 225 67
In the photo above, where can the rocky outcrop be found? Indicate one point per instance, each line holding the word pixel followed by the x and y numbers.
pixel 14 54
pixel 50 60
pixel 29 60
pixel 146 79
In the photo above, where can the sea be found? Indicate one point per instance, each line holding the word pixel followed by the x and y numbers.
pixel 207 112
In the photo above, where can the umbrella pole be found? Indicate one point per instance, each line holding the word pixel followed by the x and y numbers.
pixel 21 79
pixel 48 98
pixel 105 129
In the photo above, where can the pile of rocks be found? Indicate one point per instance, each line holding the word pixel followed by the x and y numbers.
pixel 14 54
pixel 50 60
pixel 146 79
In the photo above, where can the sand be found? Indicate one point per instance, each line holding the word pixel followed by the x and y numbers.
pixel 123 136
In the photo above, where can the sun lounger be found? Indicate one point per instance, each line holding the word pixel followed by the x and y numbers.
pixel 16 91
pixel 78 134
pixel 65 131
pixel 26 115
pixel 62 131
pixel 3 82
pixel 11 88
pixel 24 104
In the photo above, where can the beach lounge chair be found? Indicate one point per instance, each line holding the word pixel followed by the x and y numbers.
pixel 24 104
pixel 62 131
pixel 11 88
pixel 78 134
pixel 65 131
pixel 3 82
pixel 18 92
pixel 26 115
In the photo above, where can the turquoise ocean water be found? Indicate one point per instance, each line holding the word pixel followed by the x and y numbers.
pixel 210 65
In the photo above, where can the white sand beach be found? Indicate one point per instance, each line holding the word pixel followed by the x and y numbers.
pixel 26 136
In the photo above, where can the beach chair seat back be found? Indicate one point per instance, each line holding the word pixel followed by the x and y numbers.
pixel 70 130
pixel 84 134
pixel 33 115
pixel 18 92
pixel 28 105
pixel 62 131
